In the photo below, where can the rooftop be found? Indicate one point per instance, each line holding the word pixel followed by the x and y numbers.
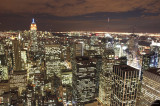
pixel 82 58
pixel 144 43
pixel 154 71
pixel 126 68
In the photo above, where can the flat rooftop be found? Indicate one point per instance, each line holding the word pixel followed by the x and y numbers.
pixel 154 71
pixel 126 68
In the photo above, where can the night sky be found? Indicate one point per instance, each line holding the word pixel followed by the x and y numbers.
pixel 78 15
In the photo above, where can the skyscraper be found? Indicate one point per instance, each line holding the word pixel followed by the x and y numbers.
pixel 150 60
pixel 84 86
pixel 33 33
pixel 79 48
pixel 133 45
pixel 33 25
pixel 98 59
pixel 52 55
pixel 16 55
pixel 105 83
pixel 3 73
pixel 125 85
pixel 66 76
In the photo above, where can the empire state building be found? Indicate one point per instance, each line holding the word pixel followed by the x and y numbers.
pixel 33 25
pixel 34 37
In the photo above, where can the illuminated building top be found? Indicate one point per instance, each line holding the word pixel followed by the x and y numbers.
pixel 33 25
pixel 33 21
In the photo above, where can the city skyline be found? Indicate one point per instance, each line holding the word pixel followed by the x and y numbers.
pixel 81 15
pixel 80 53
pixel 40 68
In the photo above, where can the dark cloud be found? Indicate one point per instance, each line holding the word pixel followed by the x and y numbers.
pixel 77 7
pixel 67 15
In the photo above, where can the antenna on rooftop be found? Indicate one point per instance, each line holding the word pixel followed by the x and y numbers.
pixel 33 20
pixel 108 20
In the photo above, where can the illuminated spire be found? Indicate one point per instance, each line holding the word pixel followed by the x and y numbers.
pixel 33 20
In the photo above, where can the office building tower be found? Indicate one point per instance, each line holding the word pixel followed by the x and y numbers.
pixel 93 47
pixel 120 50
pixel 144 47
pixel 18 80
pixel 16 55
pixel 150 89
pixel 66 76
pixel 3 73
pixel 53 60
pixel 155 46
pixel 24 59
pixel 117 50
pixel 83 82
pixel 98 59
pixel 133 45
pixel 150 60
pixel 79 48
pixel 108 41
pixel 125 85
pixel 105 84
pixel 94 40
